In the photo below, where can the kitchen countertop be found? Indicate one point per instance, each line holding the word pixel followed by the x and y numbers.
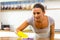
pixel 7 35
pixel 15 38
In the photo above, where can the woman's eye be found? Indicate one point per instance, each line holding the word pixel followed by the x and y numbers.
pixel 38 12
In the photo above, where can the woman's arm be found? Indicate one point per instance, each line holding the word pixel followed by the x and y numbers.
pixel 22 27
pixel 52 31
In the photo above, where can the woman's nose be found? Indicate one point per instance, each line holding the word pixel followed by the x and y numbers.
pixel 36 15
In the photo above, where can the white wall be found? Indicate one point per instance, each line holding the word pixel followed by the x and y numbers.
pixel 52 4
pixel 15 18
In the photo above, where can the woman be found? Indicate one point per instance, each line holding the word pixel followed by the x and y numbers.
pixel 42 24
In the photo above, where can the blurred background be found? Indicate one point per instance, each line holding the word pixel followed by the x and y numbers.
pixel 14 12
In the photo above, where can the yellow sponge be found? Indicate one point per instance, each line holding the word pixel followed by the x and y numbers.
pixel 21 34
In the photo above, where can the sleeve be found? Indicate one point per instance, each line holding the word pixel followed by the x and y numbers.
pixel 51 21
pixel 30 20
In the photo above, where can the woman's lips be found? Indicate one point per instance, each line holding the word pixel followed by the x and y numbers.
pixel 37 18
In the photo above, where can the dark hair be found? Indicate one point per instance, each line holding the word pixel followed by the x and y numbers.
pixel 39 5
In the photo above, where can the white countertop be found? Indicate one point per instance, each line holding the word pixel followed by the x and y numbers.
pixel 13 34
pixel 7 34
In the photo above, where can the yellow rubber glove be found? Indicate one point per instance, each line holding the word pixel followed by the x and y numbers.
pixel 22 35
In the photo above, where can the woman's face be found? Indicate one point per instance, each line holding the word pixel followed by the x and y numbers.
pixel 38 14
